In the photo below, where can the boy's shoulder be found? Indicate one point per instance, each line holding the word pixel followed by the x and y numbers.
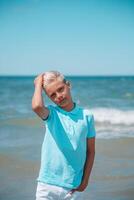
pixel 87 112
pixel 78 110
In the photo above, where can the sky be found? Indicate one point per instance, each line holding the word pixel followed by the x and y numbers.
pixel 75 37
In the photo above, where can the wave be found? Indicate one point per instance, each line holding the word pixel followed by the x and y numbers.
pixel 112 116
pixel 113 123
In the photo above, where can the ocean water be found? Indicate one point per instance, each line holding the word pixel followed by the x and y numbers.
pixel 109 99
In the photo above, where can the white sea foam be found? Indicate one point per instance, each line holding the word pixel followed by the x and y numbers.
pixel 108 135
pixel 112 116
pixel 113 123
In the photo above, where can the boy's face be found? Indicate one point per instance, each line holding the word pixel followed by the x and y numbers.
pixel 59 93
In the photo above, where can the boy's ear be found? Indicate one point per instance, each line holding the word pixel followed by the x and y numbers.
pixel 68 84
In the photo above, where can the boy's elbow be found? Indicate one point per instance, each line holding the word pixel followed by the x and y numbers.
pixel 36 107
pixel 91 152
pixel 94 152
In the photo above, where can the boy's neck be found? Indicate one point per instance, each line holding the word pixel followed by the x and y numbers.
pixel 69 107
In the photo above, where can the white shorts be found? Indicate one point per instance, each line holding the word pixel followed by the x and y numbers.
pixel 53 192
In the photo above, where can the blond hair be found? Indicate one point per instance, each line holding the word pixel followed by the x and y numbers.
pixel 51 76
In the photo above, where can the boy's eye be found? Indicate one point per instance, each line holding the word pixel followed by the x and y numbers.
pixel 52 95
pixel 61 89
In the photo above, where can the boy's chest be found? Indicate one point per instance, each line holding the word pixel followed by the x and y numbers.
pixel 75 129
pixel 68 133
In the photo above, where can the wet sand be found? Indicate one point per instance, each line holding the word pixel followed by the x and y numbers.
pixel 112 176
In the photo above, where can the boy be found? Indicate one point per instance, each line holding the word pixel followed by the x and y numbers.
pixel 68 148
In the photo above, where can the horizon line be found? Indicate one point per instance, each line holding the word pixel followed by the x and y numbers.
pixel 69 75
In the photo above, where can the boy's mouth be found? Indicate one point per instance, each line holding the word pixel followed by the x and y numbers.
pixel 62 101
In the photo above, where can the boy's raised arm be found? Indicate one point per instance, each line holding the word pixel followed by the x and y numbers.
pixel 37 99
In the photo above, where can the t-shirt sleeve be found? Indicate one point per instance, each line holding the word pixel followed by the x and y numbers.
pixel 50 108
pixel 91 126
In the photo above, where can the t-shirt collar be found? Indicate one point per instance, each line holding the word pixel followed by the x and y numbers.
pixel 73 111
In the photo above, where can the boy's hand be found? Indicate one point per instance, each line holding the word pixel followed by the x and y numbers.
pixel 80 188
pixel 38 80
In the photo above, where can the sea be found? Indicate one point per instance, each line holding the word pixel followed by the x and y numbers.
pixel 109 98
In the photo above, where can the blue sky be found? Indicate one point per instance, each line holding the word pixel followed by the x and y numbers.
pixel 76 37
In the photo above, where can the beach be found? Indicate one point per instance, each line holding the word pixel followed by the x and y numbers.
pixel 112 176
pixel 109 99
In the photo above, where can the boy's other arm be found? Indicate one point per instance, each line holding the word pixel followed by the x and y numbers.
pixel 89 159
pixel 88 165
pixel 37 99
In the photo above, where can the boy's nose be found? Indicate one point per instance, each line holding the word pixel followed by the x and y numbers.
pixel 59 96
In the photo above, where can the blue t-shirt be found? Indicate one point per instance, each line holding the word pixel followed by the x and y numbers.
pixel 64 147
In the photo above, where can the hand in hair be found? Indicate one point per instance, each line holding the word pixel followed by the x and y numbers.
pixel 38 80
